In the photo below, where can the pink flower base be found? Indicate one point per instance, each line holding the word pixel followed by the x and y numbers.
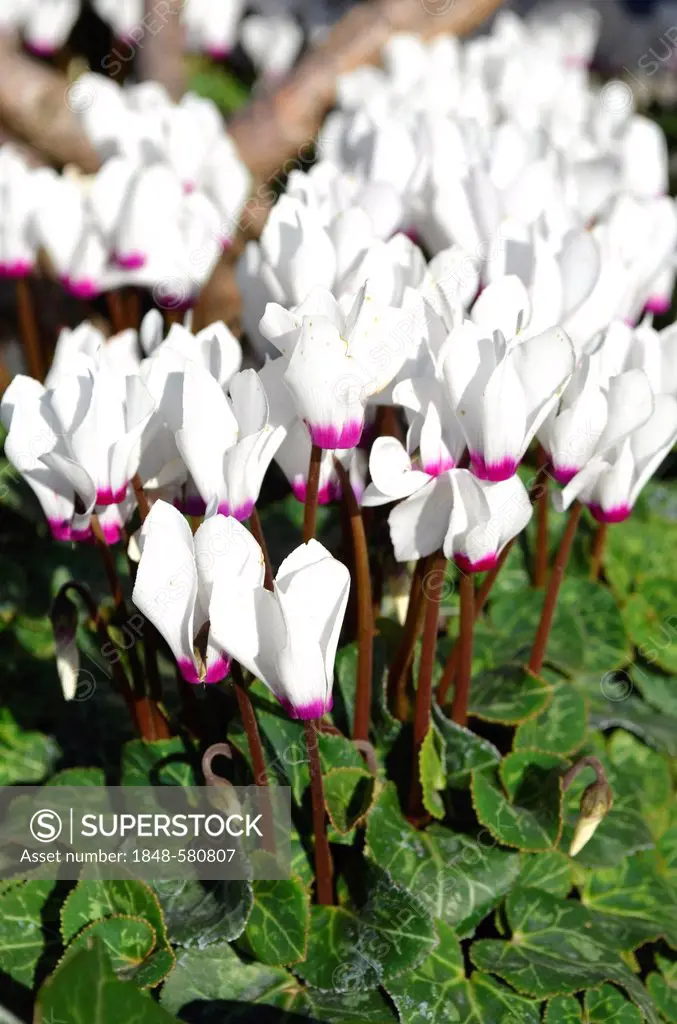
pixel 564 474
pixel 492 471
pixel 616 514
pixel 439 467
pixel 657 304
pixel 346 436
pixel 83 289
pixel 327 493
pixel 16 268
pixel 108 497
pixel 466 564
pixel 306 712
pixel 241 512
pixel 130 260
pixel 217 671
pixel 60 529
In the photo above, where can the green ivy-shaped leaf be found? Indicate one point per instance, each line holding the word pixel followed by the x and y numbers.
pixel 431 768
pixel 96 899
pixel 385 728
pixel 277 929
pixel 128 941
pixel 613 702
pixel 663 988
pixel 551 872
pixel 638 551
pixel 516 616
pixel 556 949
pixel 651 623
pixel 647 773
pixel 459 881
pixel 357 949
pixel 158 763
pixel 508 696
pixel 438 990
pixel 26 929
pixel 563 1010
pixel 25 756
pixel 634 892
pixel 464 750
pixel 85 990
pixel 658 689
pixel 521 802
pixel 600 621
pixel 606 1005
pixel 199 913
pixel 562 727
pixel 348 796
pixel 215 984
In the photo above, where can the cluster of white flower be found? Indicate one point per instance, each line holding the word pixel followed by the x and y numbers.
pixel 270 34
pixel 544 234
pixel 158 213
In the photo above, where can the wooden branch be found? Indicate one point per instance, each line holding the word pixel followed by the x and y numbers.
pixel 277 127
pixel 34 108
pixel 161 42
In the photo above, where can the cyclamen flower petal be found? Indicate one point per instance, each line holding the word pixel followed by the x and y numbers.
pixel 484 517
pixel 287 638
pixel 176 576
pixel 611 483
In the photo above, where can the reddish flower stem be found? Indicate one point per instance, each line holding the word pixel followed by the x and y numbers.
pixel 324 869
pixel 116 311
pixel 141 497
pixel 29 329
pixel 459 707
pixel 255 752
pixel 257 531
pixel 556 577
pixel 401 663
pixel 312 488
pixel 598 546
pixel 152 723
pixel 542 510
pixel 365 612
pixel 432 589
pixel 481 598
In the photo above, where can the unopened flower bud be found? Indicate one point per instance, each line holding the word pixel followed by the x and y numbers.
pixel 64 616
pixel 595 805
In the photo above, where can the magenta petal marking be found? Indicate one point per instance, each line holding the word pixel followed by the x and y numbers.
pixel 130 260
pixel 305 712
pixel 218 670
pixel 188 670
pixel 657 304
pixel 106 496
pixel 492 471
pixel 439 467
pixel 466 564
pixel 243 511
pixel 564 474
pixel 111 533
pixel 16 268
pixel 615 514
pixel 331 436
pixel 84 289
pixel 325 494
pixel 60 529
